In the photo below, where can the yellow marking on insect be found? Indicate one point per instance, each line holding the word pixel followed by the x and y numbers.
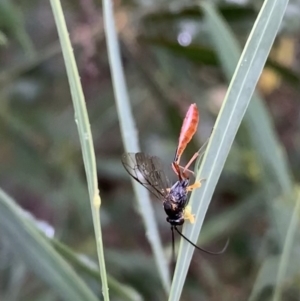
pixel 197 184
pixel 188 215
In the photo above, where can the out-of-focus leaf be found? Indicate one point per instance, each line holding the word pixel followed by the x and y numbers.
pixel 287 74
pixel 196 53
pixel 39 255
pixel 268 272
pixel 11 20
pixel 3 39
pixel 229 12
pixel 90 267
pixel 205 55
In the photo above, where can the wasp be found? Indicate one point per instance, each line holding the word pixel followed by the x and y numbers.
pixel 148 171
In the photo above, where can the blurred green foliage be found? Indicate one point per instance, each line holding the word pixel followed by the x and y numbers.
pixel 169 62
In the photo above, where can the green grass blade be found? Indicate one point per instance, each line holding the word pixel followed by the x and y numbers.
pixel 12 22
pixel 130 141
pixel 278 270
pixel 273 168
pixel 39 255
pixel 267 274
pixel 125 292
pixel 287 250
pixel 81 265
pixel 257 119
pixel 233 109
pixel 85 135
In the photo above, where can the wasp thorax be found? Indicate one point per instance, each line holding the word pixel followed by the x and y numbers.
pixel 178 193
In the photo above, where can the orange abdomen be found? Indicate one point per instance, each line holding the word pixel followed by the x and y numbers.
pixel 188 129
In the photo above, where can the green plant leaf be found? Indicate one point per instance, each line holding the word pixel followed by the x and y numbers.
pixel 130 141
pixel 85 136
pixel 39 255
pixel 237 99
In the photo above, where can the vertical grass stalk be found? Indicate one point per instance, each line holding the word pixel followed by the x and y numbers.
pixel 130 140
pixel 85 135
pixel 231 114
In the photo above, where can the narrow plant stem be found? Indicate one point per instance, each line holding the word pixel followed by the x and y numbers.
pixel 286 253
pixel 85 135
pixel 130 140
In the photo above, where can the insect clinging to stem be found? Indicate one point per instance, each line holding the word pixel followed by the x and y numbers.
pixel 148 171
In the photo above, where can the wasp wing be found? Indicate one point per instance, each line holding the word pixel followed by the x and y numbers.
pixel 147 170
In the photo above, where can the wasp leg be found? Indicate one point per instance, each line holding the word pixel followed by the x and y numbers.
pixel 177 170
pixel 188 215
pixel 197 184
pixel 185 171
pixel 195 156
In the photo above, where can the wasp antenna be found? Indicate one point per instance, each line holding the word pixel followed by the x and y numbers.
pixel 203 250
